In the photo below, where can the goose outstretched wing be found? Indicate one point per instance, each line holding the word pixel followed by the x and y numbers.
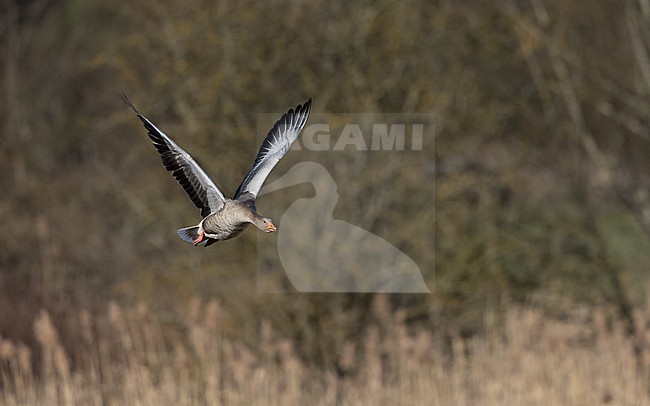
pixel 196 183
pixel 276 145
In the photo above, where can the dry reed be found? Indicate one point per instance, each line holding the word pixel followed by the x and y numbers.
pixel 127 357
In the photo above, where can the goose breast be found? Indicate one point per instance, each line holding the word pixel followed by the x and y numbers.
pixel 228 222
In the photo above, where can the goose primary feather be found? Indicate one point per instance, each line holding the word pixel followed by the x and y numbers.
pixel 224 218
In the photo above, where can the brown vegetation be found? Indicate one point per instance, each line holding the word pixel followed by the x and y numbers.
pixel 539 161
pixel 127 358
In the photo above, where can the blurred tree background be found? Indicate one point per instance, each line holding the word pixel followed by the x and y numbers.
pixel 539 161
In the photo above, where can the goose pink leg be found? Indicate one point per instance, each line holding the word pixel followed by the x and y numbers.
pixel 199 238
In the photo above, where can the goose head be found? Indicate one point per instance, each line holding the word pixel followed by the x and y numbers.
pixel 264 223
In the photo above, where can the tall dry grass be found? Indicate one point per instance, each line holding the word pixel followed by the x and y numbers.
pixel 128 356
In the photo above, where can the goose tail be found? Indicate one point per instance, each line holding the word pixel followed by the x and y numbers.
pixel 189 234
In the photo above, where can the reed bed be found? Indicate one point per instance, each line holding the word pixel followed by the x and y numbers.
pixel 524 357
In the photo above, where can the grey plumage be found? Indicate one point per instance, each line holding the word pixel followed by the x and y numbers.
pixel 225 218
pixel 276 145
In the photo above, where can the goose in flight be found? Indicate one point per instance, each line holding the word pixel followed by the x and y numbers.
pixel 224 218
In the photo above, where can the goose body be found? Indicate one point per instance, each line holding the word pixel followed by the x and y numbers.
pixel 224 218
pixel 225 224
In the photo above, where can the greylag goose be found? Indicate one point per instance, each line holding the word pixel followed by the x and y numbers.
pixel 224 218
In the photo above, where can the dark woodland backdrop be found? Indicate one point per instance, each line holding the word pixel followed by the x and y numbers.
pixel 540 160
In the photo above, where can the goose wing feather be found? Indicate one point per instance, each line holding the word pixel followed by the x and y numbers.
pixel 196 183
pixel 276 145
